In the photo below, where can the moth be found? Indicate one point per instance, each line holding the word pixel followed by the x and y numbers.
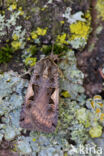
pixel 40 107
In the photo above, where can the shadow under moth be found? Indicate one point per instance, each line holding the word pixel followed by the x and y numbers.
pixel 40 107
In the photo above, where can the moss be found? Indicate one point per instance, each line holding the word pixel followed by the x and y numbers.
pixel 6 54
pixel 100 8
pixel 57 49
pixel 32 49
pixel 95 132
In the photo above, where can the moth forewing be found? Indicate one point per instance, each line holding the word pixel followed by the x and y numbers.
pixel 55 97
pixel 29 93
pixel 43 97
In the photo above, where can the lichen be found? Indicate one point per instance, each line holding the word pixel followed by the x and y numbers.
pixel 100 8
pixel 65 94
pixel 79 29
pixel 96 105
pixel 80 32
pixel 61 39
pixel 39 32
pixel 31 61
pixel 95 132
pixel 16 45
pixel 73 18
pixel 29 55
pixel 34 35
pixel 10 24
pixel 83 116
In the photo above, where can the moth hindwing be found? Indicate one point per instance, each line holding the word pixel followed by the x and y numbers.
pixel 40 108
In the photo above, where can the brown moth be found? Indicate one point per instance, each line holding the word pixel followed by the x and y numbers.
pixel 40 108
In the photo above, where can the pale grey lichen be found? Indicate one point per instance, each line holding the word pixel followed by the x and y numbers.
pixel 73 18
pixel 11 98
pixel 78 43
pixel 11 25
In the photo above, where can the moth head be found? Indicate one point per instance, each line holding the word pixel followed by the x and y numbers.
pixel 54 57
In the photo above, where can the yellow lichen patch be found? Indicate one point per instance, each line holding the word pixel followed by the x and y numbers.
pixel 98 110
pixel 100 104
pixel 65 94
pixel 38 32
pixel 61 39
pixel 21 11
pixel 31 61
pixel 100 8
pixel 88 17
pixel 102 116
pixel 16 45
pixel 79 30
pixel 92 104
pixel 62 22
pixel 98 100
pixel 95 132
pixel 15 37
pixel 97 97
pixel 12 7
pixel 34 139
pixel 34 35
pixel 41 32
pixel 28 38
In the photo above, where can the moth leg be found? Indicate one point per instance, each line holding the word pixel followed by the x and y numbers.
pixel 27 74
pixel 53 107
